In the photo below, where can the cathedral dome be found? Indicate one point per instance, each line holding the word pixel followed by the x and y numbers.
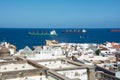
pixel 4 52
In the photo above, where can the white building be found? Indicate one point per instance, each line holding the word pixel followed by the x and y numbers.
pixel 26 52
pixel 47 52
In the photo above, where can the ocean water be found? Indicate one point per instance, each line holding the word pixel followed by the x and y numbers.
pixel 21 38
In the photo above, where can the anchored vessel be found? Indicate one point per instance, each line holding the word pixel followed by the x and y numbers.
pixel 52 33
pixel 115 30
pixel 74 31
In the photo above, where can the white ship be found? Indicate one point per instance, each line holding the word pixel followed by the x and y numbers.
pixel 84 30
pixel 53 32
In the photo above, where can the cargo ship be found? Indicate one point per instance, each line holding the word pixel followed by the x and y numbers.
pixel 74 31
pixel 52 33
pixel 115 30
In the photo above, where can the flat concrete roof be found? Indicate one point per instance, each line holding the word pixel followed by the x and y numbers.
pixel 62 64
pixel 14 67
pixel 75 74
pixel 57 64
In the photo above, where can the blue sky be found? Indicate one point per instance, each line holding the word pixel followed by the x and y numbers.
pixel 60 13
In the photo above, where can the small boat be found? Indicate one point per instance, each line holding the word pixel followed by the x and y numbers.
pixel 81 37
pixel 52 33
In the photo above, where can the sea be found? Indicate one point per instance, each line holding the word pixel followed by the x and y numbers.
pixel 20 37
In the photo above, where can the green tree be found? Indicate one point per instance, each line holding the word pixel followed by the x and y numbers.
pixel 97 52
